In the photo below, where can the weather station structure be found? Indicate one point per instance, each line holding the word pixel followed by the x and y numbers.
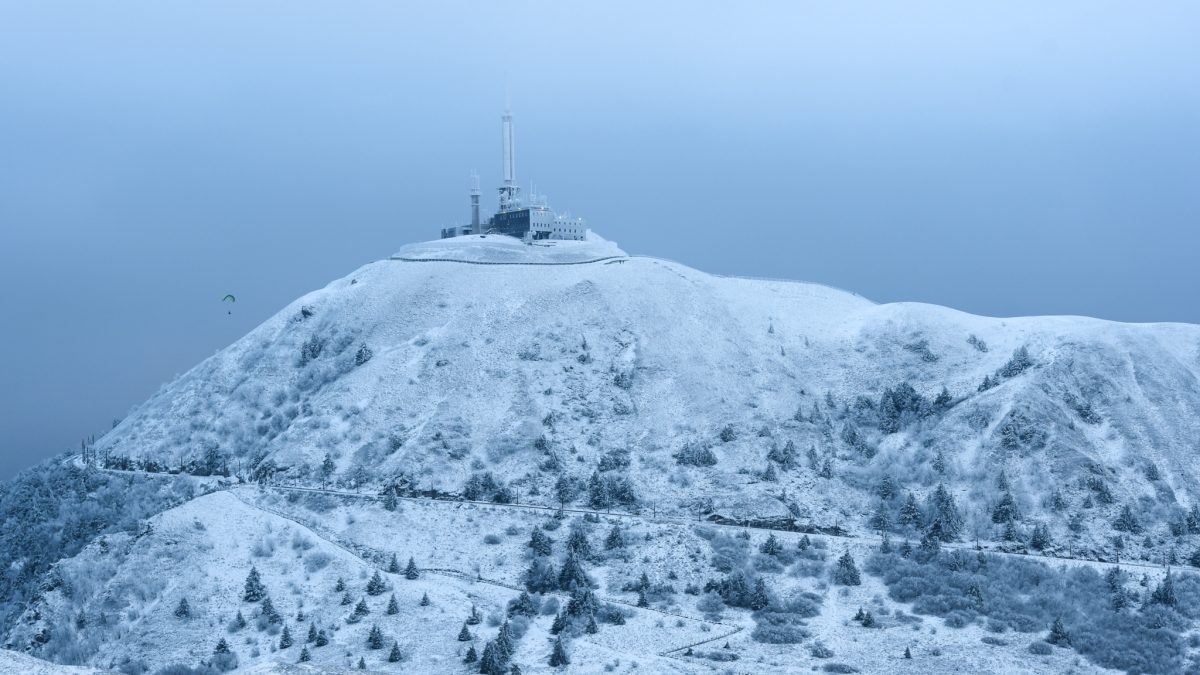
pixel 529 220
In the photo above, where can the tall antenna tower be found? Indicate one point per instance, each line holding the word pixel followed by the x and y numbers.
pixel 510 191
pixel 474 203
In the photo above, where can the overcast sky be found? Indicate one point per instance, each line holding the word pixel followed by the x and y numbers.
pixel 1003 158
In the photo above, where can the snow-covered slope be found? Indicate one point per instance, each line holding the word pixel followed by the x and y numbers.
pixel 480 369
pixel 438 370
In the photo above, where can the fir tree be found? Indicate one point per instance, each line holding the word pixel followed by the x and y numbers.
pixel 504 641
pixel 285 638
pixel 523 605
pixel 559 657
pixel 361 609
pixel 540 543
pixel 803 544
pixel 769 474
pixel 464 635
pixel 885 544
pixel 393 607
pixel 322 639
pixel 846 572
pixel 305 657
pixel 341 585
pixel 907 653
pixel 572 574
pixel 239 621
pixel 943 508
pixel 312 632
pixel 222 647
pixel 376 586
pixel 375 638
pixel 614 540
pixel 346 599
pixel 886 488
pixel 759 598
pixel 393 565
pixel 1006 509
pixel 410 571
pixel 471 656
pixel 826 469
pixel 254 587
pixel 183 610
pixel 1164 593
pixel 269 612
pixel 424 600
pixel 491 662
pixel 1127 522
pixel 591 628
pixel 1041 537
pixel 641 601
pixel 474 617
pixel 771 546
pixel 362 663
pixel 1058 634
pixel 910 513
pixel 560 622
pixel 515 670
pixel 880 520
pixel 577 543
pixel 395 656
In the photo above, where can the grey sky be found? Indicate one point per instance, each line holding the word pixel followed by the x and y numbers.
pixel 1002 158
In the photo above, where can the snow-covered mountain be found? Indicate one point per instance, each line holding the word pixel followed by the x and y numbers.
pixel 506 380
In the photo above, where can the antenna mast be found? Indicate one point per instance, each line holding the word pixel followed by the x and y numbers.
pixel 509 192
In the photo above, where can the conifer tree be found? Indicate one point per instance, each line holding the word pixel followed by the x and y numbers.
pixel 362 663
pixel 641 601
pixel 1058 634
pixel 1041 537
pixel 591 628
pixel 410 571
pixel 515 670
pixel 424 600
pixel 346 599
pixel 826 469
pixel 572 575
pixel 560 622
pixel 1006 509
pixel 559 657
pixel 322 639
pixel 183 610
pixel 304 655
pixel 522 605
pixel 393 607
pixel 504 641
pixel 393 565
pixel 471 656
pixel 254 590
pixel 269 612
pixel 474 617
pixel 907 653
pixel 375 638
pixel 771 546
pixel 239 621
pixel 394 656
pixel 1164 593
pixel 880 520
pixel 577 543
pixel 222 647
pixel 804 543
pixel 376 586
pixel 312 632
pixel 910 513
pixel 614 539
pixel 361 609
pixel 1127 522
pixel 341 585
pixel 464 635
pixel 390 502
pixel 540 543
pixel 846 572
pixel 285 638
pixel 491 662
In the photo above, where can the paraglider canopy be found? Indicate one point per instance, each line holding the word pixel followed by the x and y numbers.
pixel 229 298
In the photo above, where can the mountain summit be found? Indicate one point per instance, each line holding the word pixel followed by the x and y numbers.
pixel 628 465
